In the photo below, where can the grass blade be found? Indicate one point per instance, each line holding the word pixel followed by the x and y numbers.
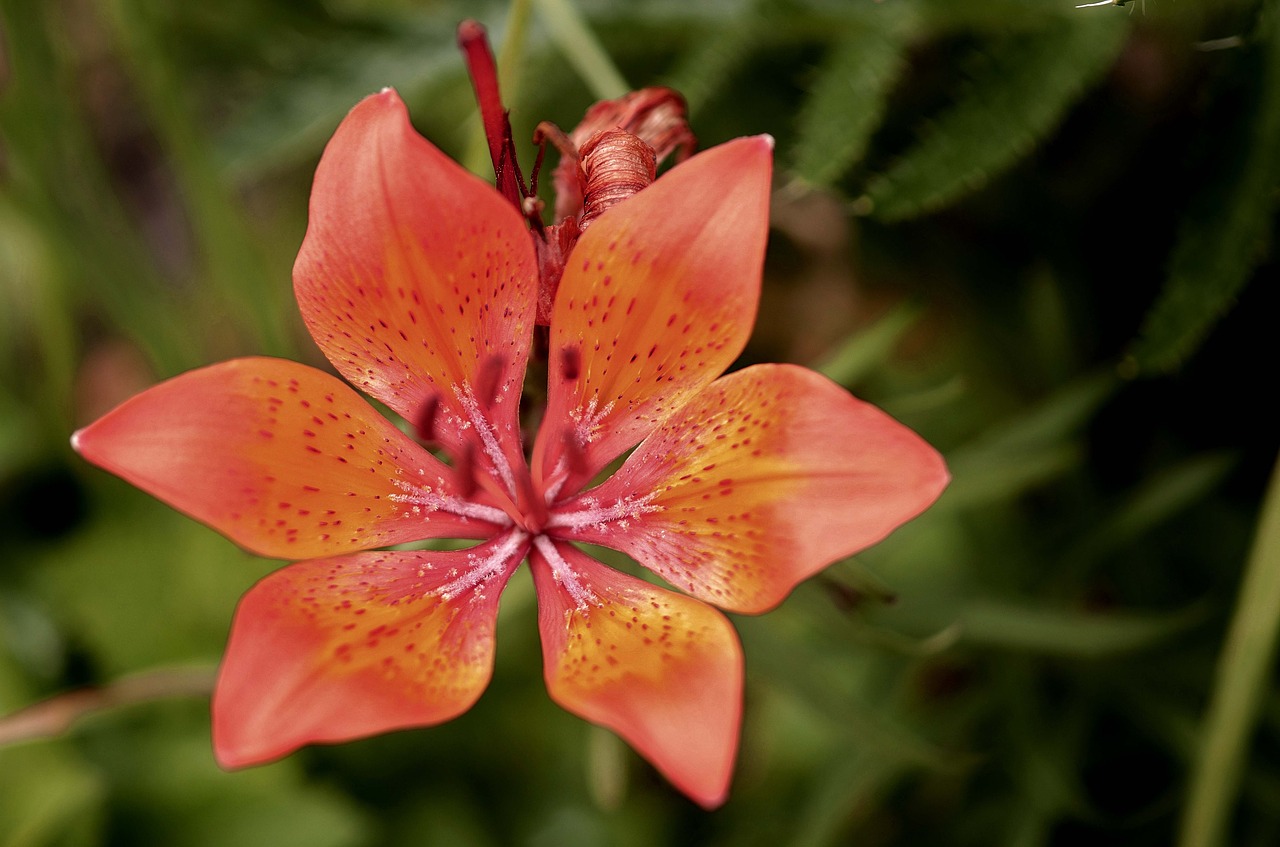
pixel 1243 677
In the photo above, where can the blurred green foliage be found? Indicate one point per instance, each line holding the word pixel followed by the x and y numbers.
pixel 1027 230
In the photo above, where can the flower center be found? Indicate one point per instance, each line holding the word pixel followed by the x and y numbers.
pixel 489 487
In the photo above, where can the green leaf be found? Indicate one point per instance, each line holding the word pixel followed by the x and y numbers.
pixel 89 253
pixel 848 100
pixel 1157 500
pixel 160 761
pixel 1224 235
pixel 48 797
pixel 232 259
pixel 293 117
pixel 868 348
pixel 847 791
pixel 1027 449
pixel 581 49
pixel 1017 93
pixel 991 478
pixel 716 55
pixel 1066 633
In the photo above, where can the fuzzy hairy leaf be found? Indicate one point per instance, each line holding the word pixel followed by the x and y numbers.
pixel 703 70
pixel 1224 234
pixel 848 100
pixel 1018 91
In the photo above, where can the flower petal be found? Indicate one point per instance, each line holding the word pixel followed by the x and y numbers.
pixel 662 670
pixel 281 458
pixel 764 479
pixel 657 299
pixel 334 649
pixel 417 279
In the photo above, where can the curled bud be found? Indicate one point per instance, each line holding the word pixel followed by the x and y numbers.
pixel 613 153
pixel 656 116
pixel 615 164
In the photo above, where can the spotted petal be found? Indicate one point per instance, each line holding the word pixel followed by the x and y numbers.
pixel 281 458
pixel 764 479
pixel 658 297
pixel 662 670
pixel 418 280
pixel 334 649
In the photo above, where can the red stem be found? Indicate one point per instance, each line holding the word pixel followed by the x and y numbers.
pixel 474 42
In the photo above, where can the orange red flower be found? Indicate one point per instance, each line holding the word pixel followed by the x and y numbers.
pixel 420 284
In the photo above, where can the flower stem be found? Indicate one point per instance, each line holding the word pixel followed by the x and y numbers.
pixel 1243 676
pixel 582 49
pixel 52 717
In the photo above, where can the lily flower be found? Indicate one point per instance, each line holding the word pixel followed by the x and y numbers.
pixel 420 284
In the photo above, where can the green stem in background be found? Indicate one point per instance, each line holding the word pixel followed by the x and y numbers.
pixel 1243 677
pixel 582 49
pixel 228 253
pixel 56 177
pixel 511 52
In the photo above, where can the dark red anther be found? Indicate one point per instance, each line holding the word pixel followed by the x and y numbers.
pixel 570 362
pixel 464 470
pixel 488 378
pixel 425 424
pixel 575 455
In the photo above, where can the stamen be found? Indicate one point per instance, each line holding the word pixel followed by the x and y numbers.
pixel 564 575
pixel 537 169
pixel 423 499
pixel 487 377
pixel 464 470
pixel 587 421
pixel 573 460
pixel 547 131
pixel 598 517
pixel 425 425
pixel 571 362
pixel 482 568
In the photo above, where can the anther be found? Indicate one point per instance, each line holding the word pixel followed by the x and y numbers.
pixel 575 454
pixel 465 470
pixel 425 424
pixel 571 362
pixel 488 378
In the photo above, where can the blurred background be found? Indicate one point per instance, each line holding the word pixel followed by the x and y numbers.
pixel 1036 234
